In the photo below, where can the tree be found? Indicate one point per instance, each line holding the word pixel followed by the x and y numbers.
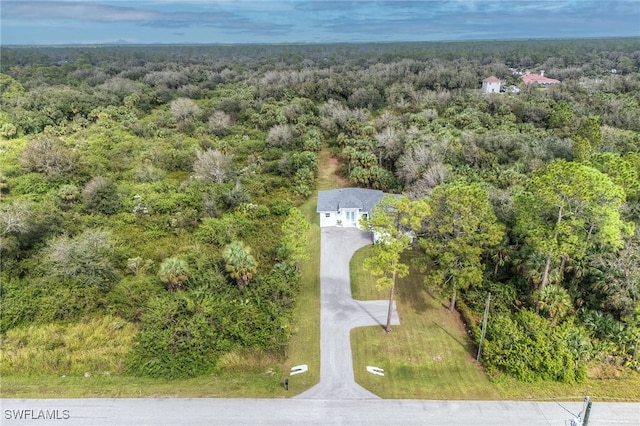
pixel 622 286
pixel 293 243
pixel 212 166
pixel 239 262
pixel 85 258
pixel 555 301
pixel 620 170
pixel 568 208
pixel 460 225
pixel 48 155
pixel 174 273
pixel 100 195
pixel 184 109
pixel 219 123
pixel 589 129
pixel 561 116
pixel 281 135
pixel 588 139
pixel 390 222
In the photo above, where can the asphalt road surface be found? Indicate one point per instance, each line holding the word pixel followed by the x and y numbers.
pixel 195 412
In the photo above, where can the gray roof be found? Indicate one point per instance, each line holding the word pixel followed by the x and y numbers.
pixel 336 199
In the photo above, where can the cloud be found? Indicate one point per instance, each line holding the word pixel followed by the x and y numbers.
pixel 76 10
pixel 144 16
pixel 317 20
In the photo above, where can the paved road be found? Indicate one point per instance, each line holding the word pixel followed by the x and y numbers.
pixel 196 412
pixel 339 313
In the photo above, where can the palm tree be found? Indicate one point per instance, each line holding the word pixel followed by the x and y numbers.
pixel 239 262
pixel 554 300
pixel 501 255
pixel 174 273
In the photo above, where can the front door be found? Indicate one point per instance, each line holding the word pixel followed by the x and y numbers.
pixel 351 218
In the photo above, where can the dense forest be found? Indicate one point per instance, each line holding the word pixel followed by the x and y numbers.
pixel 149 192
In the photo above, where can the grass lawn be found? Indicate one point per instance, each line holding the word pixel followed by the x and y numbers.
pixel 427 357
pixel 304 347
pixel 430 356
pixel 258 377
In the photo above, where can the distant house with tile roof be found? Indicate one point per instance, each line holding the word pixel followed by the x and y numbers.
pixel 345 206
pixel 491 85
pixel 539 79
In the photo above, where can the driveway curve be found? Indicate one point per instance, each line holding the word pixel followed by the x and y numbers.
pixel 339 313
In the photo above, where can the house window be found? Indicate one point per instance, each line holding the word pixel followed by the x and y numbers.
pixel 327 215
pixel 365 216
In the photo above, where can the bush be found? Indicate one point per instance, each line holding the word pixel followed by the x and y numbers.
pixel 179 338
pixel 100 196
pixel 85 259
pixel 220 232
pixel 44 300
pixel 281 135
pixel 49 156
pixel 528 348
pixel 129 297
pixel 17 303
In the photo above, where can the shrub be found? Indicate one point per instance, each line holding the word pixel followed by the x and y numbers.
pixel 222 231
pixel 17 303
pixel 281 135
pixel 528 348
pixel 179 338
pixel 219 123
pixel 212 166
pixel 129 297
pixel 86 259
pixel 49 156
pixel 100 196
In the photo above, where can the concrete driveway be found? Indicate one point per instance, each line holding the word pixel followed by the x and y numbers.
pixel 339 313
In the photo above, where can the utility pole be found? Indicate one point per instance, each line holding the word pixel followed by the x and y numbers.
pixel 484 325
pixel 578 421
pixel 587 411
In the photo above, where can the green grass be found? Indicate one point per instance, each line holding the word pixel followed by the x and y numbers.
pixel 227 383
pixel 430 356
pixel 97 345
pixel 304 347
pixel 84 360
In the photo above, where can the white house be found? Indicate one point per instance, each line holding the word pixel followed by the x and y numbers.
pixel 345 207
pixel 491 85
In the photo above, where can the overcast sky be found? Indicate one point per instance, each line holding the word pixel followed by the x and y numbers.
pixel 293 21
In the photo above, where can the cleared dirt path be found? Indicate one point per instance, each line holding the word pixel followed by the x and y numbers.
pixel 339 313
